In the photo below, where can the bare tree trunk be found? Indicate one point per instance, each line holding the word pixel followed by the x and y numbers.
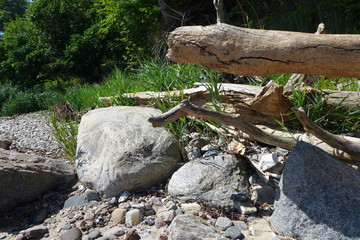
pixel 252 52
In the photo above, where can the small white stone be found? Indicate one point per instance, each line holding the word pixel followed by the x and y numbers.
pixel 133 217
pixel 267 161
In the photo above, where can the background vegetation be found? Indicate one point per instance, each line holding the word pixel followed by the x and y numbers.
pixel 79 50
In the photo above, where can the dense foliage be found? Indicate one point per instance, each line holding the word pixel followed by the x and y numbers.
pixel 62 42
pixel 84 39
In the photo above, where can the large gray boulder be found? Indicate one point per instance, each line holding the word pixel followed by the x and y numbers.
pixel 24 177
pixel 212 179
pixel 319 197
pixel 119 150
pixel 190 227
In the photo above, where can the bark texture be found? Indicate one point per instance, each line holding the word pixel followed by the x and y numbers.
pixel 250 52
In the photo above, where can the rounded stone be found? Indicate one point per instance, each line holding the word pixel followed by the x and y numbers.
pixel 133 217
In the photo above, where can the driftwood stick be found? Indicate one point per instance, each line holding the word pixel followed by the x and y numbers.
pixel 335 141
pixel 186 108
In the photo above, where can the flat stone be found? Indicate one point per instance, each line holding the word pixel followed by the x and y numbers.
pixel 36 231
pixel 188 226
pixel 72 234
pixel 245 207
pixel 25 177
pixel 114 232
pixel 223 223
pixel 124 196
pixel 94 234
pixel 75 201
pixel 191 208
pixel 318 198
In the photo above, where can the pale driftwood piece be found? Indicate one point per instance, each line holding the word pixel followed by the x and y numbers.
pixel 296 78
pixel 219 7
pixel 252 52
pixel 186 108
pixel 335 141
pixel 345 98
pixel 261 134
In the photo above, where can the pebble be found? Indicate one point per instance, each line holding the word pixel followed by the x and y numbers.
pixel 114 232
pixel 75 201
pixel 124 196
pixel 72 234
pixel 118 216
pixel 2 236
pixel 234 233
pixel 145 233
pixel 159 222
pixel 245 208
pixel 94 234
pixel 223 223
pixel 209 147
pixel 133 217
pixel 91 195
pixel 66 227
pixel 268 161
pixel 191 207
pixel 36 231
pixel 241 225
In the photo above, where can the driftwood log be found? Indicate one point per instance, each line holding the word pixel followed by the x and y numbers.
pixel 252 52
pixel 330 143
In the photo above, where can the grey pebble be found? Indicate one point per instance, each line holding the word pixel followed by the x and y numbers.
pixel 72 234
pixel 223 223
pixel 234 233
pixel 94 234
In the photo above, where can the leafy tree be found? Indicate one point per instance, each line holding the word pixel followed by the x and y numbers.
pixel 82 39
pixel 10 9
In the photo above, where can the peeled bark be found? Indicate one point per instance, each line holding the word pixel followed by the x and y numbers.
pixel 251 52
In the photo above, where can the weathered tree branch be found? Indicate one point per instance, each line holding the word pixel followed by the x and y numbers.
pixel 250 52
pixel 262 135
pixel 335 141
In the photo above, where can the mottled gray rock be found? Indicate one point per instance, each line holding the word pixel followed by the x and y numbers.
pixel 223 223
pixel 75 201
pixel 72 234
pixel 245 208
pixel 212 179
pixel 188 226
pixel 26 177
pixel 234 233
pixel 319 197
pixel 118 149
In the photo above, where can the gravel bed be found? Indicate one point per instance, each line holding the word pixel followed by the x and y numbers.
pixel 30 133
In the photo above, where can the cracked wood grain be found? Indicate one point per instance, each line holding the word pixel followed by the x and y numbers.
pixel 251 52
